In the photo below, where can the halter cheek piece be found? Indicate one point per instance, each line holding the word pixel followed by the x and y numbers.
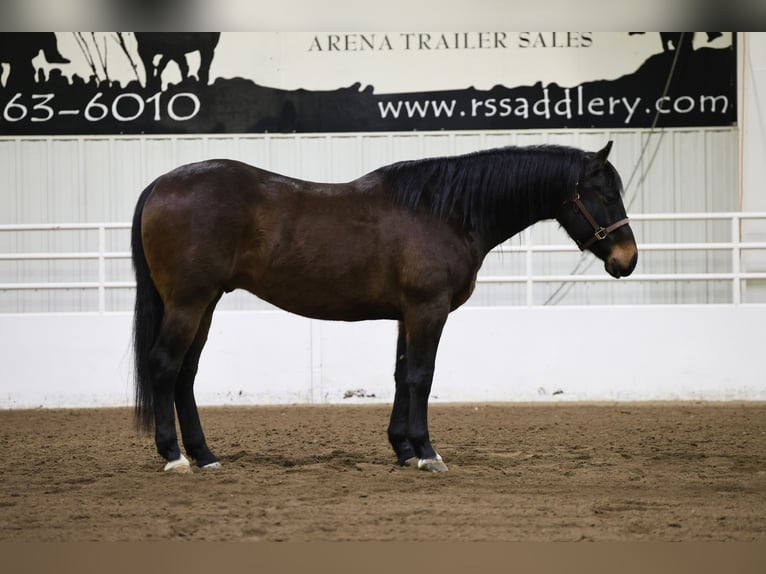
pixel 600 232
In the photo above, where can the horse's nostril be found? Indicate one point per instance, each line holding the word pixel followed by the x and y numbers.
pixel 621 267
pixel 622 260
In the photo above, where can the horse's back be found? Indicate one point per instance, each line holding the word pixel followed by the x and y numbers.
pixel 229 223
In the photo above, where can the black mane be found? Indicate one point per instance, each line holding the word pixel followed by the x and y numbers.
pixel 491 189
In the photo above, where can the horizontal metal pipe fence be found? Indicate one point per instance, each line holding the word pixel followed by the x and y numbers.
pixel 525 244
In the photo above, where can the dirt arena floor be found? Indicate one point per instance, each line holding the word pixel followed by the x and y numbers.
pixel 661 472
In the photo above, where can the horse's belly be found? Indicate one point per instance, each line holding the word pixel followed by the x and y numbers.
pixel 322 293
pixel 326 305
pixel 358 268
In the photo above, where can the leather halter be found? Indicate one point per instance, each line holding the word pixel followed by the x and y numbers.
pixel 600 232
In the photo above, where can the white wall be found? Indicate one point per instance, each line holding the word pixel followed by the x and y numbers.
pixel 753 150
pixel 511 354
pixel 753 120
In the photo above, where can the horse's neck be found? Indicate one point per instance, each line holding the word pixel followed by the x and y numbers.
pixel 534 204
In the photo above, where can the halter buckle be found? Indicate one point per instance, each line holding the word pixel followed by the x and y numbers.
pixel 601 233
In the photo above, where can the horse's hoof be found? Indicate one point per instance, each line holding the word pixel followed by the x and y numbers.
pixel 212 466
pixel 411 462
pixel 432 464
pixel 179 466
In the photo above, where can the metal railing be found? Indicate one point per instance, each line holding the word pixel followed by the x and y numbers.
pixel 100 283
pixel 524 244
pixel 735 246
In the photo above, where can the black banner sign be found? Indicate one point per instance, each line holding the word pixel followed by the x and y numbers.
pixel 125 83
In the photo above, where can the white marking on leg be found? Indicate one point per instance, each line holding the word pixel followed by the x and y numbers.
pixel 212 466
pixel 424 461
pixel 433 464
pixel 180 465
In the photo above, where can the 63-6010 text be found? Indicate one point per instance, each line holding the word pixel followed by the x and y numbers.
pixel 125 107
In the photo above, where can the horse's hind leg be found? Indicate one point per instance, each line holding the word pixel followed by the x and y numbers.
pixel 397 428
pixel 178 331
pixel 186 406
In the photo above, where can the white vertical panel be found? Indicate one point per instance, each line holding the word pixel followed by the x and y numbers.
pixel 345 158
pixel 158 156
pixel 254 150
pixel 467 143
pixel 689 172
pixel 9 241
pixel 520 138
pixel 721 170
pixel 502 139
pixel 67 201
pixel 128 178
pixel 8 185
pixel 436 145
pixel 658 190
pixel 721 179
pixel 626 158
pixel 658 165
pixel 315 159
pixel 591 141
pixel 721 175
pixel 222 148
pixel 32 181
pixel 32 207
pixel 376 151
pixel 283 155
pixel 67 195
pixel 689 189
pixel 404 147
pixel 97 179
pixel 190 150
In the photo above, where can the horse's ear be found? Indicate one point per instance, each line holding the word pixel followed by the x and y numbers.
pixel 598 161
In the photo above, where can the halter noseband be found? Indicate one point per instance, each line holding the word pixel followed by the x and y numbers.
pixel 600 232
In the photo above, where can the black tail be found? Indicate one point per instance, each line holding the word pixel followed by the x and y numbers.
pixel 146 322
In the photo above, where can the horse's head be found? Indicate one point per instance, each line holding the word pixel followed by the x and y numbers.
pixel 594 216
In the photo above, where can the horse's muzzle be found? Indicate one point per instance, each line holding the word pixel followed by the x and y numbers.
pixel 622 260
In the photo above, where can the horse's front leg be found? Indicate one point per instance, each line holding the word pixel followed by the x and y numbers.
pixel 424 329
pixel 397 427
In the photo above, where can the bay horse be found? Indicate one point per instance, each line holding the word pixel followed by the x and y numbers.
pixel 404 242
